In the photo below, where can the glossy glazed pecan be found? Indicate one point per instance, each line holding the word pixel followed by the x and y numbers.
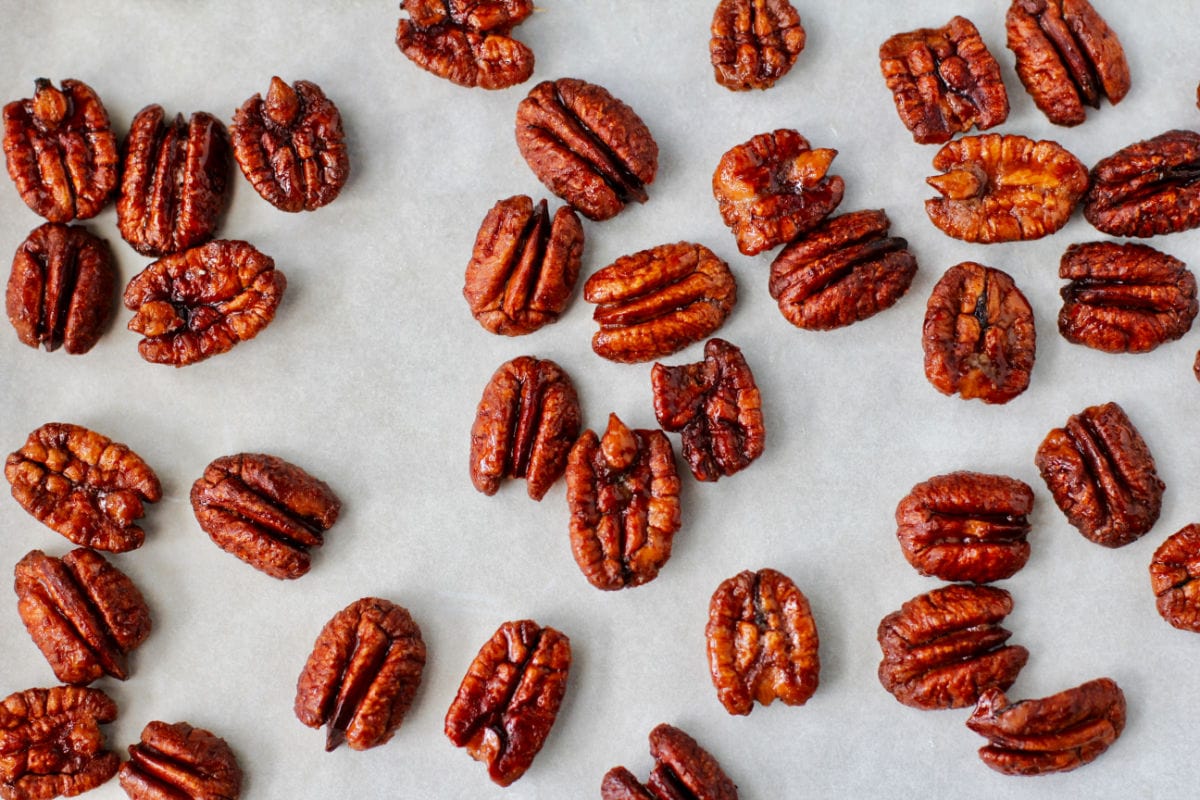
pixel 944 81
pixel 265 511
pixel 1102 476
pixel 773 188
pixel 467 41
pixel 61 151
pixel 1148 188
pixel 362 675
pixel 844 270
pixel 1053 734
pixel 945 648
pixel 201 302
pixel 524 266
pixel 180 762
pixel 587 146
pixel 60 291
pixel 1174 570
pixel 683 770
pixel 509 698
pixel 754 42
pixel 83 485
pixel 83 613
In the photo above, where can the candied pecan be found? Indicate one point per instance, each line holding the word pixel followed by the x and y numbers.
pixel 467 41
pixel 773 188
pixel 524 267
pixel 658 301
pixel 362 675
pixel 716 405
pixel 1053 734
pixel 60 292
pixel 1174 570
pixel 265 511
pixel 509 698
pixel 1147 188
pixel 943 80
pixel 844 270
pixel 683 770
pixel 623 492
pixel 754 42
pixel 1102 476
pixel 179 761
pixel 587 146
pixel 201 302
pixel 61 151
pixel 83 485
pixel 525 424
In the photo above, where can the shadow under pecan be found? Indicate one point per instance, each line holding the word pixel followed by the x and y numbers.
pixel 83 485
pixel 754 42
pixel 1175 578
pixel 1150 187
pixel 179 761
pixel 61 151
pixel 683 770
pixel 467 41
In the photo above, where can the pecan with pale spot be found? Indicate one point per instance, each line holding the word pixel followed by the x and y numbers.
pixel 1175 578
pixel 683 770
pixel 754 42
pixel 180 762
pixel 467 41
pixel 1149 188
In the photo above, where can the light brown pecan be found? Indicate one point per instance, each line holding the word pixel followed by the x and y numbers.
pixel 683 770
pixel 467 41
pixel 1174 574
pixel 179 762
pixel 1147 188
pixel 754 42
pixel 83 485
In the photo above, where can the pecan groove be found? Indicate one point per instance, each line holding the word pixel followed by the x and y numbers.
pixel 179 761
pixel 1174 574
pixel 467 42
pixel 754 42
pixel 683 770
pixel 1150 187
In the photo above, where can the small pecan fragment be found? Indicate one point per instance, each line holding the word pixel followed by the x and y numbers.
pixel 83 485
pixel 1148 188
pixel 60 292
pixel 180 762
pixel 844 270
pixel 467 41
pixel 1174 574
pixel 658 301
pixel 1053 734
pixel 61 151
pixel 509 698
pixel 524 266
pixel 943 80
pixel 683 770
pixel 754 42
pixel 265 511
pixel 362 675
pixel 1102 476
pixel 201 302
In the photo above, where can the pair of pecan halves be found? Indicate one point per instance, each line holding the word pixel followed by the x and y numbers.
pixel 467 41
pixel 683 770
pixel 180 761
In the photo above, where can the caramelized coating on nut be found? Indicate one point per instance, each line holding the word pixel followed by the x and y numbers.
pixel 683 770
pixel 1149 188
pixel 754 42
pixel 1175 578
pixel 467 41
pixel 180 762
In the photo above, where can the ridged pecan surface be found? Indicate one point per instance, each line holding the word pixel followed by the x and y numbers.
pixel 180 762
pixel 754 42
pixel 683 770
pixel 1175 578
pixel 1149 188
pixel 467 41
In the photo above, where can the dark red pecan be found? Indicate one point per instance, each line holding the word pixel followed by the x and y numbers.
pixel 587 146
pixel 60 292
pixel 524 267
pixel 201 302
pixel 467 41
pixel 683 770
pixel 83 485
pixel 943 80
pixel 509 698
pixel 1174 571
pixel 362 675
pixel 179 762
pixel 265 511
pixel 754 42
pixel 1053 734
pixel 61 151
pixel 1147 188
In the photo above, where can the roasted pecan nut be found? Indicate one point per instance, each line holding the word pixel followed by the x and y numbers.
pixel 1066 56
pixel 509 698
pixel 844 270
pixel 362 675
pixel 201 302
pixel 180 762
pixel 754 42
pixel 683 770
pixel 716 405
pixel 1053 734
pixel 1147 188
pixel 61 151
pixel 943 80
pixel 60 292
pixel 467 41
pixel 83 485
pixel 945 648
pixel 587 146
pixel 525 424
pixel 265 511
pixel 524 266
pixel 1004 188
pixel 773 188
pixel 1174 571
pixel 658 301
pixel 623 492
pixel 83 613
pixel 1102 476
pixel 978 335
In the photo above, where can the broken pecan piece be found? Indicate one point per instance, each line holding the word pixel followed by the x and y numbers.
pixel 467 41
pixel 179 761
pixel 1174 574
pixel 1148 188
pixel 683 770
pixel 754 42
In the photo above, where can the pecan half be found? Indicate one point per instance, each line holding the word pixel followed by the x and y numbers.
pixel 1102 476
pixel 83 613
pixel 265 511
pixel 509 698
pixel 60 292
pixel 683 770
pixel 467 41
pixel 1174 570
pixel 201 302
pixel 754 42
pixel 945 648
pixel 179 761
pixel 1148 188
pixel 83 485
pixel 61 151
pixel 362 675
pixel 1053 734
pixel 524 266
pixel 658 301
pixel 716 405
